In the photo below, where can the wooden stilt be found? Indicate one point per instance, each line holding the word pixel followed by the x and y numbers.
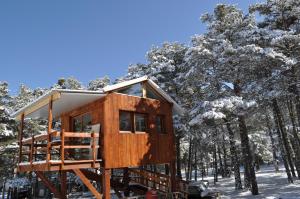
pixel 63 184
pixel 87 183
pixel 48 156
pixel 173 176
pixel 48 184
pixel 106 183
pixel 21 137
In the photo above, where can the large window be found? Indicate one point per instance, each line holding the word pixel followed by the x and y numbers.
pixel 133 122
pixel 160 124
pixel 82 123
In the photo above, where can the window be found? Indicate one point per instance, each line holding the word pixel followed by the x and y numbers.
pixel 160 124
pixel 133 122
pixel 125 121
pixel 140 122
pixel 82 123
pixel 135 90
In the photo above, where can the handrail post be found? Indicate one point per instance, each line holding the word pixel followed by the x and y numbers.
pixel 31 150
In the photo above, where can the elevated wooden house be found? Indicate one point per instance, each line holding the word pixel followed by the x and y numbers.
pixel 126 125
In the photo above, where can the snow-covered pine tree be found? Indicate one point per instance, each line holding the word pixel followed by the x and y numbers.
pixel 98 84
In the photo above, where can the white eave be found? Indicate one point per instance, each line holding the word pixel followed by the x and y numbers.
pixel 63 101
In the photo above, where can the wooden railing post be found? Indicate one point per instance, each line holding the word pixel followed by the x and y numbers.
pixel 93 149
pixel 31 150
pixel 21 137
pixel 48 156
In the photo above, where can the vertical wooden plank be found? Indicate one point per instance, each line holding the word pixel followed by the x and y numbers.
pixel 21 137
pixel 106 183
pixel 48 155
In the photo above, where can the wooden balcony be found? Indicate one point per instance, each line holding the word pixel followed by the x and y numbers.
pixel 57 151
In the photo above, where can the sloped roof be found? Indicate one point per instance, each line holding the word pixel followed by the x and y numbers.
pixel 65 100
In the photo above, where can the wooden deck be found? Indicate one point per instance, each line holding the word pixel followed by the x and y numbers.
pixel 37 154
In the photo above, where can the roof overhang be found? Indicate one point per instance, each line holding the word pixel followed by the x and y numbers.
pixel 63 101
pixel 66 100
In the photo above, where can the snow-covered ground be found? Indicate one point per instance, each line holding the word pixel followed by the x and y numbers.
pixel 271 186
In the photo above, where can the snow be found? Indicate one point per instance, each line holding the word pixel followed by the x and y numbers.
pixel 271 185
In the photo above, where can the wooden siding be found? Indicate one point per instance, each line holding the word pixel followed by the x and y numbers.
pixel 135 149
pixel 128 149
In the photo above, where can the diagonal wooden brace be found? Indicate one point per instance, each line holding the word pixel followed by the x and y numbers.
pixel 49 184
pixel 87 183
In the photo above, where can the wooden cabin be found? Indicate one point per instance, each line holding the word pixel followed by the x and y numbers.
pixel 124 126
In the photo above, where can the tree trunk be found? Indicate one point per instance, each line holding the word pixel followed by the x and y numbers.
pixel 248 159
pixel 178 157
pixel 284 137
pixel 195 163
pixel 284 156
pixel 246 151
pixel 220 161
pixel 295 141
pixel 275 159
pixel 226 174
pixel 234 158
pixel 215 164
pixel 189 171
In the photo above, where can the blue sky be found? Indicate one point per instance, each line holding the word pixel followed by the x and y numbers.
pixel 41 41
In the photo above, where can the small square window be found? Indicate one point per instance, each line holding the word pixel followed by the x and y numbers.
pixel 125 121
pixel 160 124
pixel 140 122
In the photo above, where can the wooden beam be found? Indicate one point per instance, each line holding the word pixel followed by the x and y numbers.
pixel 21 137
pixel 87 183
pixel 48 184
pixel 50 117
pixel 106 183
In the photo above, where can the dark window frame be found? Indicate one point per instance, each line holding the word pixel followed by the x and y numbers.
pixel 133 122
pixel 163 129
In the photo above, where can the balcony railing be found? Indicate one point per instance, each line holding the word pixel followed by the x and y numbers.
pixel 57 151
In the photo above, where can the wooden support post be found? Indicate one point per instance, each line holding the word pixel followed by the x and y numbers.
pixel 48 156
pixel 63 183
pixel 21 137
pixel 173 176
pixel 48 184
pixel 106 183
pixel 87 183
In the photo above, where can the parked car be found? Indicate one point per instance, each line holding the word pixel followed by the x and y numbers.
pixel 200 190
